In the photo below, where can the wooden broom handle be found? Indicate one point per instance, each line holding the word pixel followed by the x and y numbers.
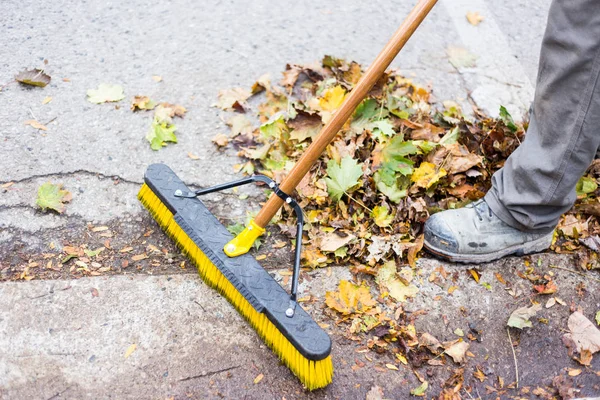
pixel 358 93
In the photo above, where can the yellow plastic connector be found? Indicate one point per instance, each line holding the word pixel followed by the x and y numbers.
pixel 241 243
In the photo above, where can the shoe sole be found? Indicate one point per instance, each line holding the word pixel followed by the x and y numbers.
pixel 535 246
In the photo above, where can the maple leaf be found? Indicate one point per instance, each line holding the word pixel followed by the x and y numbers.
pixel 53 197
pixel 387 278
pixel 585 186
pixel 232 99
pixel 274 127
pixel 520 317
pixel 427 175
pixel 33 77
pixel 460 57
pixel 342 177
pixel 160 133
pixel 382 217
pixel 350 299
pixel 332 98
pixel 142 103
pixel 105 93
pixel 474 18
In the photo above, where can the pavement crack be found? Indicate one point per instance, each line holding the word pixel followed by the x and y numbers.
pixel 210 373
pixel 75 172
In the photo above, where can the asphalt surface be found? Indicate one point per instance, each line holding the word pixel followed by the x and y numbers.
pixel 72 346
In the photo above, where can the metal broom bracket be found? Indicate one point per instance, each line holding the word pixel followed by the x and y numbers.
pixel 289 312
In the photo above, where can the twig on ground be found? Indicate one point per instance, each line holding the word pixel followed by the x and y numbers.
pixel 514 355
pixel 575 272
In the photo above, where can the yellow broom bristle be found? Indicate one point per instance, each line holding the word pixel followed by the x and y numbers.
pixel 313 374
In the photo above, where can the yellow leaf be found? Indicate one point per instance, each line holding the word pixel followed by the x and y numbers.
pixel 574 372
pixel 34 124
pixel 474 18
pixel 130 350
pixel 258 378
pixel 350 299
pixel 387 278
pixel 156 78
pixel 261 257
pixel 426 175
pixel 382 216
pixel 402 359
pixel 47 100
pixel 332 98
pixel 391 366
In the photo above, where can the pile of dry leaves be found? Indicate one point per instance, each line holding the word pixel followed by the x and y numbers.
pixel 395 162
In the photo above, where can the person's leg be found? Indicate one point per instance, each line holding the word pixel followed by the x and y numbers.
pixel 537 183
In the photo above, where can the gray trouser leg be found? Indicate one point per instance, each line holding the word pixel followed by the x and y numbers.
pixel 537 183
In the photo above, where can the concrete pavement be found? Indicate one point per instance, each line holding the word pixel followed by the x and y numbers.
pixel 58 339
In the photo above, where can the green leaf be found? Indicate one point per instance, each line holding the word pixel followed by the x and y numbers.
pixel 598 317
pixel 425 145
pixel 235 229
pixel 364 114
pixel 393 192
pixel 93 253
pixel 420 391
pixel 160 134
pixel 274 127
pixel 342 177
pixel 508 119
pixel 105 93
pixel 385 127
pixel 451 137
pixel 397 149
pixel 53 197
pixel 585 186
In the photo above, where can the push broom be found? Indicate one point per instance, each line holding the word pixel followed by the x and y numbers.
pixel 222 260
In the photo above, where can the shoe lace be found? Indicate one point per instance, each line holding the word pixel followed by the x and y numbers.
pixel 480 210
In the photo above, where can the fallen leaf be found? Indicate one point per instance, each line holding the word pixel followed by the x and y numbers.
pixel 420 391
pixel 53 197
pixel 220 140
pixel 342 177
pixel 381 216
pixel 520 317
pixel 332 98
pixel 474 18
pixel 34 124
pixel 33 77
pixel 47 100
pixel 142 103
pixel 460 57
pixel 232 99
pixel 105 93
pixel 350 299
pixel 583 333
pixel 573 371
pixel 598 317
pixel 478 374
pixel 457 350
pixel 334 240
pixel 258 378
pixel 392 367
pixel 192 156
pixel 375 393
pixel 550 302
pixel 130 350
pixel 156 78
pixel 389 281
pixel 427 175
pixel 160 134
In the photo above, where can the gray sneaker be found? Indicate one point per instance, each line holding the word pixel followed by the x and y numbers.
pixel 474 234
